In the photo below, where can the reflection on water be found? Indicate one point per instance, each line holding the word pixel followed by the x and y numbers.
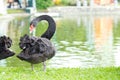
pixel 82 41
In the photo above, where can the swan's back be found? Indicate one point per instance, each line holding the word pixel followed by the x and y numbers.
pixel 5 44
pixel 41 51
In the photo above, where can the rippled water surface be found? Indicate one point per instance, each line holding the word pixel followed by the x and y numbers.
pixel 81 41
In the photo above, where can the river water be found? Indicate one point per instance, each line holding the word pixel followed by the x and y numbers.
pixel 80 41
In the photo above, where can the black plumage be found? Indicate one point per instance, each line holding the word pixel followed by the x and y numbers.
pixel 38 49
pixel 5 44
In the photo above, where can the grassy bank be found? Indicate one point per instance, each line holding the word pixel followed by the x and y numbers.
pixel 11 11
pixel 22 73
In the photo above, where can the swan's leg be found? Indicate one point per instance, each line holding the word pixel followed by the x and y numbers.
pixel 32 67
pixel 44 66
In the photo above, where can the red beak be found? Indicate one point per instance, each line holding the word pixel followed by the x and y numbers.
pixel 31 28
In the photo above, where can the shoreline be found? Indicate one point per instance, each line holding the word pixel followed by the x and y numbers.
pixel 71 11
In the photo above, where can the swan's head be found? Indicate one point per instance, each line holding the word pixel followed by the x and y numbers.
pixel 32 27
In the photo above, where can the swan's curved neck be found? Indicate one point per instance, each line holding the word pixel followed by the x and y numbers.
pixel 51 25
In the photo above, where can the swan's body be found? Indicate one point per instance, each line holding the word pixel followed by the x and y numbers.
pixel 5 43
pixel 38 49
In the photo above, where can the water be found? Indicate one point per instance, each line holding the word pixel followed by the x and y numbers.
pixel 81 41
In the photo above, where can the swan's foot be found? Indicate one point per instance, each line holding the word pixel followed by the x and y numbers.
pixel 32 67
pixel 44 66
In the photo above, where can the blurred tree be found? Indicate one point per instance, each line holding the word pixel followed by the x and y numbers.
pixel 68 2
pixel 43 4
pixel 57 2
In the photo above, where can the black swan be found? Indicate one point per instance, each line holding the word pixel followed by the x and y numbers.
pixel 5 44
pixel 38 49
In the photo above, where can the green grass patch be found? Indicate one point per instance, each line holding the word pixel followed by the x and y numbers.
pixel 10 11
pixel 24 73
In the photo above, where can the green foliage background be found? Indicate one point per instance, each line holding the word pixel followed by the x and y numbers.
pixel 68 2
pixel 43 4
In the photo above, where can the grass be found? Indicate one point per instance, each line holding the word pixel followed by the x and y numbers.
pixel 10 11
pixel 23 73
